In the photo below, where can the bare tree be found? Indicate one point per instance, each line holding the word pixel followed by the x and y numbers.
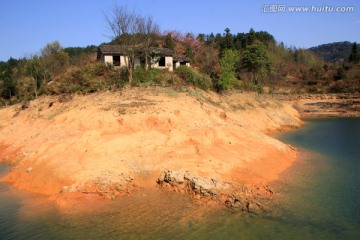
pixel 131 31
pixel 148 30
pixel 123 25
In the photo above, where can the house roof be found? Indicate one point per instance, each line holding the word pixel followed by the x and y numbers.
pixel 161 51
pixel 110 49
pixel 118 49
pixel 182 58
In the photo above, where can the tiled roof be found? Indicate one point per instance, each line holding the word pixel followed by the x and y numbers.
pixel 117 49
pixel 182 58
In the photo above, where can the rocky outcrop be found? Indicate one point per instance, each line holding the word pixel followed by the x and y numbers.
pixel 185 181
pixel 236 197
pixel 105 186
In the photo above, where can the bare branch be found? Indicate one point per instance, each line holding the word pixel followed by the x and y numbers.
pixel 132 30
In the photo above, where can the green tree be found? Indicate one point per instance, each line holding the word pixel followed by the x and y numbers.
pixel 227 41
pixel 340 74
pixel 210 39
pixel 37 71
pixel 169 42
pixel 265 37
pixel 54 58
pixel 201 37
pixel 228 63
pixel 9 88
pixel 354 55
pixel 189 52
pixel 251 36
pixel 8 85
pixel 255 60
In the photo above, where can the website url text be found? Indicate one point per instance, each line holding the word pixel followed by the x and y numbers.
pixel 279 8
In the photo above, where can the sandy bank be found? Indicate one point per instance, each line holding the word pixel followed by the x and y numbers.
pixel 108 144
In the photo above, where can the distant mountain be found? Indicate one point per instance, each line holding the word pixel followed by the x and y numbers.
pixel 333 52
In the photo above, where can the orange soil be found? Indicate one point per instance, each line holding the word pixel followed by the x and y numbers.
pixel 129 137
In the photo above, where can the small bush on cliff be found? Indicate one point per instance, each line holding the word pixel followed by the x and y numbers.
pixel 88 79
pixel 258 89
pixel 156 77
pixel 190 75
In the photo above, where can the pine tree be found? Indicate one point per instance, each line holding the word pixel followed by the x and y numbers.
pixel 354 55
pixel 228 40
pixel 169 42
pixel 251 36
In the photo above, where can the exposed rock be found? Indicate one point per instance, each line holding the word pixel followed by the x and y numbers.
pixel 228 203
pixel 106 186
pixel 241 198
pixel 29 169
pixel 237 203
pixel 25 105
pixel 64 189
pixel 185 181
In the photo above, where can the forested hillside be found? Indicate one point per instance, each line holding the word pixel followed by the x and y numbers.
pixel 333 52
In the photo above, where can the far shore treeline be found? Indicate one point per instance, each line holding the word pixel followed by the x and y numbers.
pixel 252 61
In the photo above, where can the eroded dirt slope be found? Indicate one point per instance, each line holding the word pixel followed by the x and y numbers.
pixel 114 143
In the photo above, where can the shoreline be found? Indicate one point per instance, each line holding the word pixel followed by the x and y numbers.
pixel 325 105
pixel 233 169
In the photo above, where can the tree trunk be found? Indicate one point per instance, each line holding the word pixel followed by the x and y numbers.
pixel 130 74
pixel 129 63
pixel 146 61
pixel 35 88
pixel 255 78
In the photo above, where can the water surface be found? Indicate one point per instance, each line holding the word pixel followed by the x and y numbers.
pixel 319 198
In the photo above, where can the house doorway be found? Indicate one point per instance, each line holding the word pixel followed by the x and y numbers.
pixel 116 60
pixel 162 62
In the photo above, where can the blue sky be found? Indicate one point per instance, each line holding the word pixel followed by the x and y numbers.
pixel 26 26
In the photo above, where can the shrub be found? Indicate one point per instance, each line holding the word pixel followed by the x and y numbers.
pixel 189 75
pixel 140 76
pixel 337 87
pixel 88 79
pixel 341 74
pixel 155 77
pixel 227 81
pixel 99 69
pixel 258 89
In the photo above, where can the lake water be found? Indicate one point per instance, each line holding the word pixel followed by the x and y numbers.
pixel 319 198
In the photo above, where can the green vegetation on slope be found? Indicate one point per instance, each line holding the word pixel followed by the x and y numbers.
pixel 333 52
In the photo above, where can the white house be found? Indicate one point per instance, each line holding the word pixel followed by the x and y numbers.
pixel 181 60
pixel 116 55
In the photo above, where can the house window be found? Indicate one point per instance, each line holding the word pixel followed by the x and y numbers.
pixel 162 62
pixel 116 60
pixel 182 63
